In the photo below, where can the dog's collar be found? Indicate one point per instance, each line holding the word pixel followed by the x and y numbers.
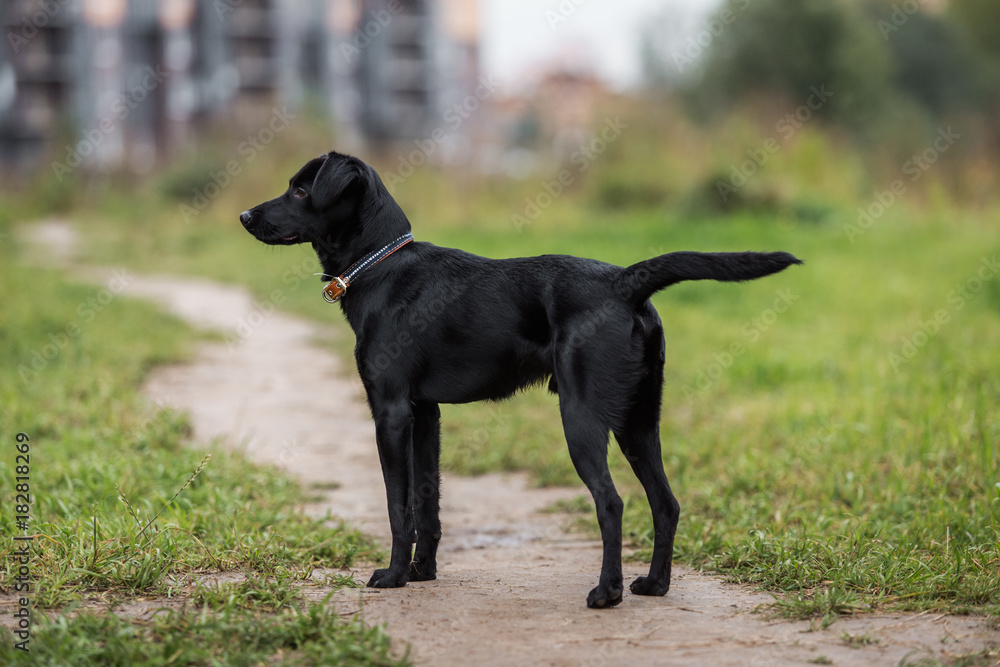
pixel 335 289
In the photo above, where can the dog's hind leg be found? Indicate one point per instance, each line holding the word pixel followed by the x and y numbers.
pixel 639 439
pixel 587 438
pixel 425 490
pixel 642 449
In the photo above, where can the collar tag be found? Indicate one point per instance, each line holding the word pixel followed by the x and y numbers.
pixel 334 290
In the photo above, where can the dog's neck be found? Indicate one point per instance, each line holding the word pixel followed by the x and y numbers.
pixel 380 221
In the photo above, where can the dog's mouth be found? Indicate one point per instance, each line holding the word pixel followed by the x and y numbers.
pixel 274 237
pixel 277 239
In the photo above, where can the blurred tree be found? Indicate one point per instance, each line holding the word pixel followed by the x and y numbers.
pixel 934 62
pixel 786 47
pixel 981 21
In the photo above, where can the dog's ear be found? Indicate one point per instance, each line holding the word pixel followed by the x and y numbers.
pixel 338 174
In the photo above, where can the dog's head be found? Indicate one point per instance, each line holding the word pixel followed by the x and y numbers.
pixel 336 202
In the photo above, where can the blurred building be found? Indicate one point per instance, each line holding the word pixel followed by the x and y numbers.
pixel 126 83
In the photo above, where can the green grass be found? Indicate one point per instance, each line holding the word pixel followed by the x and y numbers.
pixel 837 456
pixel 254 621
pixel 121 508
pixel 292 636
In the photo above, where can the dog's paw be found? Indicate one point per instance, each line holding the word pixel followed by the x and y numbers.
pixel 421 571
pixel 387 579
pixel 604 597
pixel 647 586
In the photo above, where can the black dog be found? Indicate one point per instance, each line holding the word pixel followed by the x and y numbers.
pixel 438 325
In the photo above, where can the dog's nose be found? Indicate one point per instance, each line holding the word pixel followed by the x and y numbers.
pixel 245 217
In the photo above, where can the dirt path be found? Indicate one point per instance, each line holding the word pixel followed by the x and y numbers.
pixel 511 583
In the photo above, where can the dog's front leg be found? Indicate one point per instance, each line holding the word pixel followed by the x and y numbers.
pixel 425 489
pixel 393 433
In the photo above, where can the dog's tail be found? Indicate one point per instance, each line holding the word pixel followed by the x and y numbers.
pixel 640 281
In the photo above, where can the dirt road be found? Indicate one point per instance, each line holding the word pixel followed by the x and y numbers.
pixel 511 582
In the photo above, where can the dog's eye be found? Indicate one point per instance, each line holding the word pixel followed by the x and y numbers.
pixel 300 193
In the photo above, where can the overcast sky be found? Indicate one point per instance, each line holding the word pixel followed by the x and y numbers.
pixel 519 36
